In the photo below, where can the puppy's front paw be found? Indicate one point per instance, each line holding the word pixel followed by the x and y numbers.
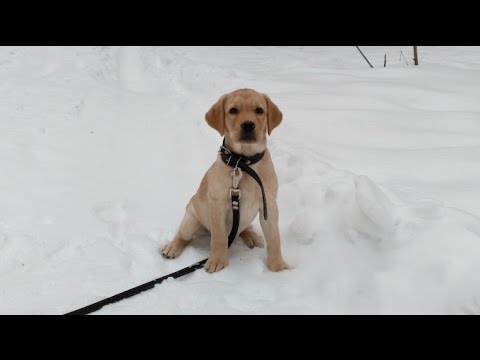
pixel 173 249
pixel 277 264
pixel 216 263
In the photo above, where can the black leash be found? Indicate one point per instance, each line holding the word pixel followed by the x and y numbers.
pixel 151 284
pixel 241 162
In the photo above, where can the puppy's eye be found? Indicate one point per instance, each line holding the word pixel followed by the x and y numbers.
pixel 259 110
pixel 233 111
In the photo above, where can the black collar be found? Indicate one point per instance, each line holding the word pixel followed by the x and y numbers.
pixel 233 159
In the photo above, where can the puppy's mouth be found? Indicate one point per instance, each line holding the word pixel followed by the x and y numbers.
pixel 248 137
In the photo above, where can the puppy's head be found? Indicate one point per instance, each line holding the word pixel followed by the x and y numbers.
pixel 244 116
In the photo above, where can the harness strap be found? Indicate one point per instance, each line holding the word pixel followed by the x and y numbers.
pixel 255 176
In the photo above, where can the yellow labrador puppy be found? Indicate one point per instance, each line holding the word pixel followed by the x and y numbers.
pixel 243 117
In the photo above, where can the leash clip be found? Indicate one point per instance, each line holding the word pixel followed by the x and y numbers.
pixel 236 176
pixel 234 190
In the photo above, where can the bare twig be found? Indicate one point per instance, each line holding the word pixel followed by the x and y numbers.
pixel 415 55
pixel 401 54
pixel 364 57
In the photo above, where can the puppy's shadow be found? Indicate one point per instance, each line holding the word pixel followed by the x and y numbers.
pixel 201 243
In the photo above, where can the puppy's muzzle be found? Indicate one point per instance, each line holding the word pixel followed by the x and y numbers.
pixel 248 131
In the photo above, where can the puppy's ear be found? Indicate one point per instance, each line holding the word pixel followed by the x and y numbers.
pixel 216 115
pixel 274 115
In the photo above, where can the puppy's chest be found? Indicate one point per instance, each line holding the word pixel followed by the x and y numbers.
pixel 250 189
pixel 251 198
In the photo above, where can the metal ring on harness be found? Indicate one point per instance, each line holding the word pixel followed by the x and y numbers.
pixel 236 165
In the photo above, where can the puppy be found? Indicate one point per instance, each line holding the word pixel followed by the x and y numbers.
pixel 243 117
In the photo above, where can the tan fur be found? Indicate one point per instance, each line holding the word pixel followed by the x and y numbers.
pixel 210 208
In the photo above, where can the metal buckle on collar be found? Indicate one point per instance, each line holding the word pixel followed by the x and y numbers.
pixel 225 150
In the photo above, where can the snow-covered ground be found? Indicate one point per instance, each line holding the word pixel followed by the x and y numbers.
pixel 379 171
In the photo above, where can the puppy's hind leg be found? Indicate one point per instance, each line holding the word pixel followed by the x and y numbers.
pixel 188 229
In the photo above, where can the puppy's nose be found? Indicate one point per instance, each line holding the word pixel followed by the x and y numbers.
pixel 248 126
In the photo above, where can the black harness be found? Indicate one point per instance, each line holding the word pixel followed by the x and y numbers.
pixel 240 163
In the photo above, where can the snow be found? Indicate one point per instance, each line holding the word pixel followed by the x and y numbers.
pixel 101 148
